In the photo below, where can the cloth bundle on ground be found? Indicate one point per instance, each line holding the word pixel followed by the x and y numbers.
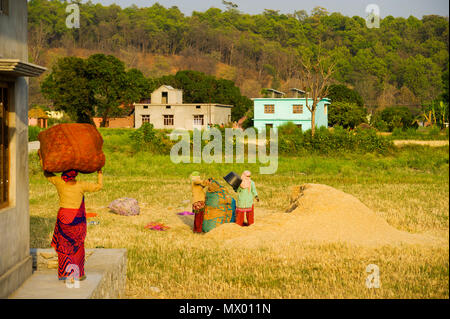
pixel 220 207
pixel 71 146
pixel 157 226
pixel 125 206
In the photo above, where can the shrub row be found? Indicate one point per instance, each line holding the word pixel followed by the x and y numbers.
pixel 292 141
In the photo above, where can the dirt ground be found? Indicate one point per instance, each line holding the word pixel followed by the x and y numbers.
pixel 418 142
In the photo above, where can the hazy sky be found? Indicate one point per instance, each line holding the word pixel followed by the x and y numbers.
pixel 396 8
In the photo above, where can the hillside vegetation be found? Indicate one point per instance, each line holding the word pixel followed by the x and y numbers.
pixel 401 63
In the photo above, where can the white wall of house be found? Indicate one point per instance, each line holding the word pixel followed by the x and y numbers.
pixel 222 114
pixel 174 96
pixel 185 116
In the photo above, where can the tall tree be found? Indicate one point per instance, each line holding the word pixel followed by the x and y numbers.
pixel 99 85
pixel 112 86
pixel 316 73
pixel 68 87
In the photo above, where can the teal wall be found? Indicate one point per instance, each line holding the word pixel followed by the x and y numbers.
pixel 284 112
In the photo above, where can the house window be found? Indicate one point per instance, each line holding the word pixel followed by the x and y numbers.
pixel 4 7
pixel 168 120
pixel 4 146
pixel 164 98
pixel 297 109
pixel 145 119
pixel 198 107
pixel 198 120
pixel 168 107
pixel 269 108
pixel 145 106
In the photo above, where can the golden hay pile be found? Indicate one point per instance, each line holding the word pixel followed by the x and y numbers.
pixel 323 214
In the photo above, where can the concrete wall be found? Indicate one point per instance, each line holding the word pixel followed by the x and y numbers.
pixel 121 122
pixel 116 122
pixel 15 259
pixel 284 113
pixel 13 31
pixel 221 114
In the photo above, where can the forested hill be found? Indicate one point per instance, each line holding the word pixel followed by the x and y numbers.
pixel 400 63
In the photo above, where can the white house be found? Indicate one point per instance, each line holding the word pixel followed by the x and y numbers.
pixel 166 110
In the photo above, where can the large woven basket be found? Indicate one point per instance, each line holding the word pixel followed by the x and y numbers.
pixel 71 146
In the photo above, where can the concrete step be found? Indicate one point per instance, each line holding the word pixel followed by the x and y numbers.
pixel 106 278
pixel 33 146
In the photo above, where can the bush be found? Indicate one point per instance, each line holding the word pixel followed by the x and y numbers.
pixel 146 138
pixel 394 117
pixel 347 115
pixel 325 141
pixel 341 93
pixel 33 132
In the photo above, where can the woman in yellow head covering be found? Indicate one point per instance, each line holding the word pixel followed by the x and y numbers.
pixel 198 200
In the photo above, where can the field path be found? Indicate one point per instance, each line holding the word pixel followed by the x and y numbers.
pixel 419 142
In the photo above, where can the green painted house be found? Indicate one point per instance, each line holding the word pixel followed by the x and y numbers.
pixel 277 110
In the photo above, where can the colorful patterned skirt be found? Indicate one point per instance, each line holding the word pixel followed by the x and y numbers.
pixel 68 241
pixel 198 208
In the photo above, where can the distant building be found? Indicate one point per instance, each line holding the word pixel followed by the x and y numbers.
pixel 37 117
pixel 167 110
pixel 275 111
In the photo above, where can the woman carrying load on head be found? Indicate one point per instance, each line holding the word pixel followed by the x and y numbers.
pixel 198 200
pixel 70 229
pixel 246 194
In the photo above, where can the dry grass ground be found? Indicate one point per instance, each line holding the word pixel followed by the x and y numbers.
pixel 409 190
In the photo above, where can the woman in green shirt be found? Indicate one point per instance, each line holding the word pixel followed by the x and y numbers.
pixel 246 193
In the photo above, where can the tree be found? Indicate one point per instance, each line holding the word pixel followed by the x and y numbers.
pixel 316 74
pixel 68 87
pixel 346 114
pixel 112 86
pixel 98 85
pixel 396 117
pixel 341 93
pixel 201 88
pixel 422 76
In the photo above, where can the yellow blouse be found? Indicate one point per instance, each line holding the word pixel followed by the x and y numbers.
pixel 198 192
pixel 71 194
